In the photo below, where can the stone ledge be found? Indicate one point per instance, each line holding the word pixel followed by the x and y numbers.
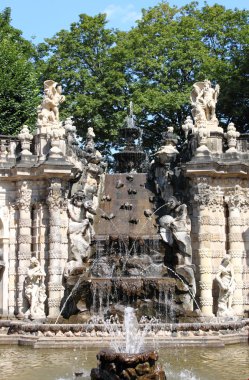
pixel 62 342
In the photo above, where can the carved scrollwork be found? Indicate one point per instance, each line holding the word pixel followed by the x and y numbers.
pixel 55 198
pixel 24 196
pixel 238 199
pixel 208 196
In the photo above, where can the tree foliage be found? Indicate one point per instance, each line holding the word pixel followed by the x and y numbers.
pixel 154 64
pixel 171 48
pixel 18 81
pixel 81 59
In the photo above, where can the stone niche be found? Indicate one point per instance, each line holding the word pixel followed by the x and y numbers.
pixel 169 236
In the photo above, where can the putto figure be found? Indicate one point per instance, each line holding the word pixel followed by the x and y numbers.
pixel 203 99
pixel 48 111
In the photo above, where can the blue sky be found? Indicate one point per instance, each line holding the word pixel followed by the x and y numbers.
pixel 44 18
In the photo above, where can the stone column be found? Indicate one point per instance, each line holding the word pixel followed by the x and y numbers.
pixel 236 202
pixel 207 202
pixel 24 241
pixel 55 288
pixel 205 266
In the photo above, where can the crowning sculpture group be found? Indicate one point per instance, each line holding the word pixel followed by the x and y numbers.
pixel 194 202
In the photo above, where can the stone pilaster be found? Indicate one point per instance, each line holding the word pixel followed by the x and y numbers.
pixel 24 241
pixel 236 202
pixel 12 259
pixel 55 289
pixel 204 252
pixel 64 235
pixel 209 202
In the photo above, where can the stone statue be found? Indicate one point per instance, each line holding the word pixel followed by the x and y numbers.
pixel 203 99
pixel 35 290
pixel 48 111
pixel 226 281
pixel 175 227
pixel 80 231
pixel 175 231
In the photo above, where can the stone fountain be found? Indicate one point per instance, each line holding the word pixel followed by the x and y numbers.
pixel 128 361
pixel 168 237
pixel 127 264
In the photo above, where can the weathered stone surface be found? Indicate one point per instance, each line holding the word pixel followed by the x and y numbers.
pixel 127 366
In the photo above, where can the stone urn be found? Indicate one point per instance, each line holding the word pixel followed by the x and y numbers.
pixel 122 366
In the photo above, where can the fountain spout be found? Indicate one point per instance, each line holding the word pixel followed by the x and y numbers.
pixel 133 362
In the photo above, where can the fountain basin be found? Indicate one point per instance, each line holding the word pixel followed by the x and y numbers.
pixel 115 366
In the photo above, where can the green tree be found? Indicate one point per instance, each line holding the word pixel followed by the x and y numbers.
pixel 171 48
pixel 18 81
pixel 154 64
pixel 93 81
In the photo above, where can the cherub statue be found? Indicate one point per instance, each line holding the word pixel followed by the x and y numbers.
pixel 35 290
pixel 226 281
pixel 48 111
pixel 203 99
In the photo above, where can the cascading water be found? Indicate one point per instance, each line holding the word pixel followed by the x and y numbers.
pixel 130 337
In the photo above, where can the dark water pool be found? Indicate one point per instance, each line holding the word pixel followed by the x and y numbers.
pixel 180 363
